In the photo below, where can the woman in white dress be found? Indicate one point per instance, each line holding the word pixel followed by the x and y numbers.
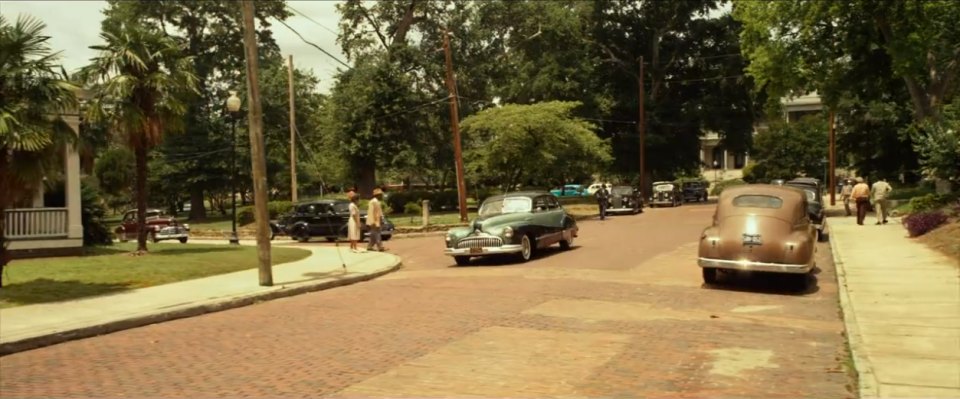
pixel 353 225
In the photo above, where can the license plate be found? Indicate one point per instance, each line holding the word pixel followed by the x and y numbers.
pixel 751 239
pixel 476 250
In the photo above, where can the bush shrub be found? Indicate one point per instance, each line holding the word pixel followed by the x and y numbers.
pixel 92 212
pixel 911 192
pixel 930 202
pixel 246 215
pixel 412 208
pixel 919 223
pixel 719 187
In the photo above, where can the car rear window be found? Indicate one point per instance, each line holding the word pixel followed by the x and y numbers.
pixel 757 201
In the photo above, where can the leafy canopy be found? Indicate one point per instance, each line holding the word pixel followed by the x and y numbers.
pixel 536 143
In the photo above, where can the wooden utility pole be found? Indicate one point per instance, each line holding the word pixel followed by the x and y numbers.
pixel 833 161
pixel 642 131
pixel 293 137
pixel 455 126
pixel 258 160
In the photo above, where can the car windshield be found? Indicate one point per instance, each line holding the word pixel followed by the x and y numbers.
pixel 663 187
pixel 757 201
pixel 622 190
pixel 506 205
pixel 341 207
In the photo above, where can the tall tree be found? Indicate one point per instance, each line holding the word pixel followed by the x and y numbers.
pixel 33 95
pixel 139 81
pixel 210 32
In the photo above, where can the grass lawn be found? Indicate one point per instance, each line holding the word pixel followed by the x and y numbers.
pixel 107 270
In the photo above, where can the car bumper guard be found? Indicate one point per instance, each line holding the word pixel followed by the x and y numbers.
pixel 754 266
pixel 504 249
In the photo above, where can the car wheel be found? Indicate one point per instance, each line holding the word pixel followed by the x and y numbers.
pixel 183 240
pixel 462 260
pixel 822 236
pixel 153 237
pixel 709 275
pixel 568 243
pixel 122 236
pixel 273 234
pixel 303 235
pixel 526 248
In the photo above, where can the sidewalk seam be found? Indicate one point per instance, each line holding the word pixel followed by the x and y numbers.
pixel 40 341
pixel 867 380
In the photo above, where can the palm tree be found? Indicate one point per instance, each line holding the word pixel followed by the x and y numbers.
pixel 139 82
pixel 33 96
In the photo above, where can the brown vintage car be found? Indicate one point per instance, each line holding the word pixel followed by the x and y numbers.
pixel 759 227
pixel 159 227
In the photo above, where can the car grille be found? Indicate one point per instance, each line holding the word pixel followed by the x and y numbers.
pixel 479 242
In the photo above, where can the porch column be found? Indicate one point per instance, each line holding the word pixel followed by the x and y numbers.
pixel 38 196
pixel 746 158
pixel 725 158
pixel 72 182
pixel 701 154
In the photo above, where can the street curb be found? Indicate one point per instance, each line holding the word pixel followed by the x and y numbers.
pixel 867 380
pixel 26 344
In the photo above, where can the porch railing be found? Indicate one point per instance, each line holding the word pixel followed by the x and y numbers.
pixel 30 223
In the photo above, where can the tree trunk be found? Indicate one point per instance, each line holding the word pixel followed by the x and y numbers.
pixel 141 193
pixel 367 179
pixel 197 209
pixel 4 255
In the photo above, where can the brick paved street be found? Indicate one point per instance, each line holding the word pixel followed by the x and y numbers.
pixel 623 314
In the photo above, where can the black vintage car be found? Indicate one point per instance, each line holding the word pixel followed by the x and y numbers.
pixel 666 193
pixel 322 218
pixel 695 191
pixel 625 199
pixel 814 192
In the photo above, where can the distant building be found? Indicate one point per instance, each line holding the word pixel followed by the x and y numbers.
pixel 718 164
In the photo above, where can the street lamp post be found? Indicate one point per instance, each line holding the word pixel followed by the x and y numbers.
pixel 716 171
pixel 233 107
pixel 826 174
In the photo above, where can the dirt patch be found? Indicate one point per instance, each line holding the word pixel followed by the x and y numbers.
pixel 944 239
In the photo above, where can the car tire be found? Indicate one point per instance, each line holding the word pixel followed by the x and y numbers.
pixel 183 240
pixel 567 244
pixel 709 275
pixel 462 260
pixel 152 236
pixel 302 235
pixel 526 248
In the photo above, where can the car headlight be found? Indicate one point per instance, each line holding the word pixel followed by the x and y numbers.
pixel 186 226
pixel 449 238
pixel 507 232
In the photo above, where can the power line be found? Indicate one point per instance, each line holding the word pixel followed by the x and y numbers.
pixel 314 45
pixel 414 108
pixel 312 20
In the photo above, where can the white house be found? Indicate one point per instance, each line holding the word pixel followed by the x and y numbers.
pixel 39 230
pixel 718 164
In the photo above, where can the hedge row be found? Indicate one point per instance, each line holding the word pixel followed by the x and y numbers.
pixel 245 214
pixel 719 187
pixel 404 201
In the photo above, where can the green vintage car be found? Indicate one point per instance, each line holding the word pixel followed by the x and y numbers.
pixel 516 223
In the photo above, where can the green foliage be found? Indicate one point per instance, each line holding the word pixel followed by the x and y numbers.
pixel 906 193
pixel 115 171
pixel 247 214
pixel 938 143
pixel 540 142
pixel 92 213
pixel 412 208
pixel 439 200
pixel 719 187
pixel 931 202
pixel 789 150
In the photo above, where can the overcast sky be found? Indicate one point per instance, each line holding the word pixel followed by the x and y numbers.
pixel 73 26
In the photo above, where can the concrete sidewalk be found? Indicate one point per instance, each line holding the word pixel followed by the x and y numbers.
pixel 901 305
pixel 27 327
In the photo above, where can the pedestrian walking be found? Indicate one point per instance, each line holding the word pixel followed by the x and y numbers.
pixel 879 193
pixel 353 225
pixel 845 195
pixel 603 199
pixel 374 216
pixel 861 197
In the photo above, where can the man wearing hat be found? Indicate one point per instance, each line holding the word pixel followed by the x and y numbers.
pixel 861 196
pixel 374 216
pixel 845 195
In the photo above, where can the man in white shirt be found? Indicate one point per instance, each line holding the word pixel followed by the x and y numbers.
pixel 880 191
pixel 374 216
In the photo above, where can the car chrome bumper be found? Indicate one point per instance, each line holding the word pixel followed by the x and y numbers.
pixel 172 235
pixel 754 266
pixel 505 249
pixel 618 210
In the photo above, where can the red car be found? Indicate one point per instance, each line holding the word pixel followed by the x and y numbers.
pixel 159 227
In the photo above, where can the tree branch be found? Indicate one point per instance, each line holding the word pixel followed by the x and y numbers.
pixel 921 101
pixel 376 27
pixel 405 23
